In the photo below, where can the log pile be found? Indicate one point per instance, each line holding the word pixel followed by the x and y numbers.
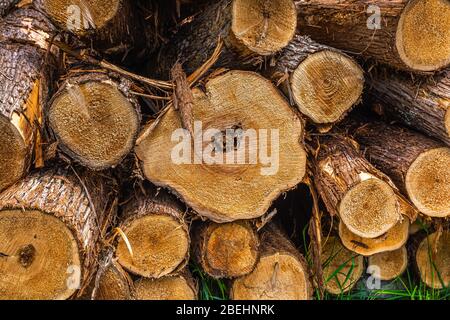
pixel 285 149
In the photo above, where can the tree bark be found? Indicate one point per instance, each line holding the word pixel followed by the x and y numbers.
pixel 280 274
pixel 365 199
pixel 421 104
pixel 26 67
pixel 94 117
pixel 158 234
pixel 51 222
pixel 6 5
pixel 417 164
pixel 221 177
pixel 323 82
pixel 249 28
pixel 387 31
pixel 226 250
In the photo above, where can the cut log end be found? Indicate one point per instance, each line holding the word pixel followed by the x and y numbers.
pixel 264 27
pixel 113 284
pixel 167 288
pixel 13 154
pixel 94 123
pixel 433 260
pixel 350 265
pixel 39 255
pixel 428 182
pixel 326 85
pixel 212 180
pixel 79 16
pixel 393 239
pixel 231 250
pixel 276 277
pixel 391 264
pixel 159 244
pixel 369 209
pixel 423 35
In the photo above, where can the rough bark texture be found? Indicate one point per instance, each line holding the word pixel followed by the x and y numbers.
pixel 158 243
pixel 196 41
pixel 402 154
pixel 327 76
pixel 226 250
pixel 6 5
pixel 94 117
pixel 84 202
pixel 344 25
pixel 26 67
pixel 284 281
pixel 422 104
pixel 338 169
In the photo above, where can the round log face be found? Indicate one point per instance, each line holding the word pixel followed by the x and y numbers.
pixel 95 123
pixel 369 209
pixel 391 264
pixel 326 85
pixel 263 26
pixel 231 250
pixel 433 260
pixel 393 239
pixel 167 288
pixel 13 154
pixel 79 16
pixel 159 243
pixel 423 35
pixel 276 277
pixel 225 188
pixel 342 268
pixel 38 256
pixel 428 182
pixel 113 284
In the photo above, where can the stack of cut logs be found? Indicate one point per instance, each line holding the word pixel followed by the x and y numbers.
pixel 100 198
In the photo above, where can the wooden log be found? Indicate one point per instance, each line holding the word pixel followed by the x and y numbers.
pixel 225 176
pixel 342 268
pixel 411 35
pixel 155 227
pixel 249 28
pixel 179 287
pixel 94 117
pixel 422 104
pixel 361 196
pixel 417 164
pixel 226 250
pixel 390 264
pixel 280 274
pixel 113 27
pixel 323 82
pixel 26 67
pixel 50 224
pixel 432 258
pixel 111 281
pixel 393 239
